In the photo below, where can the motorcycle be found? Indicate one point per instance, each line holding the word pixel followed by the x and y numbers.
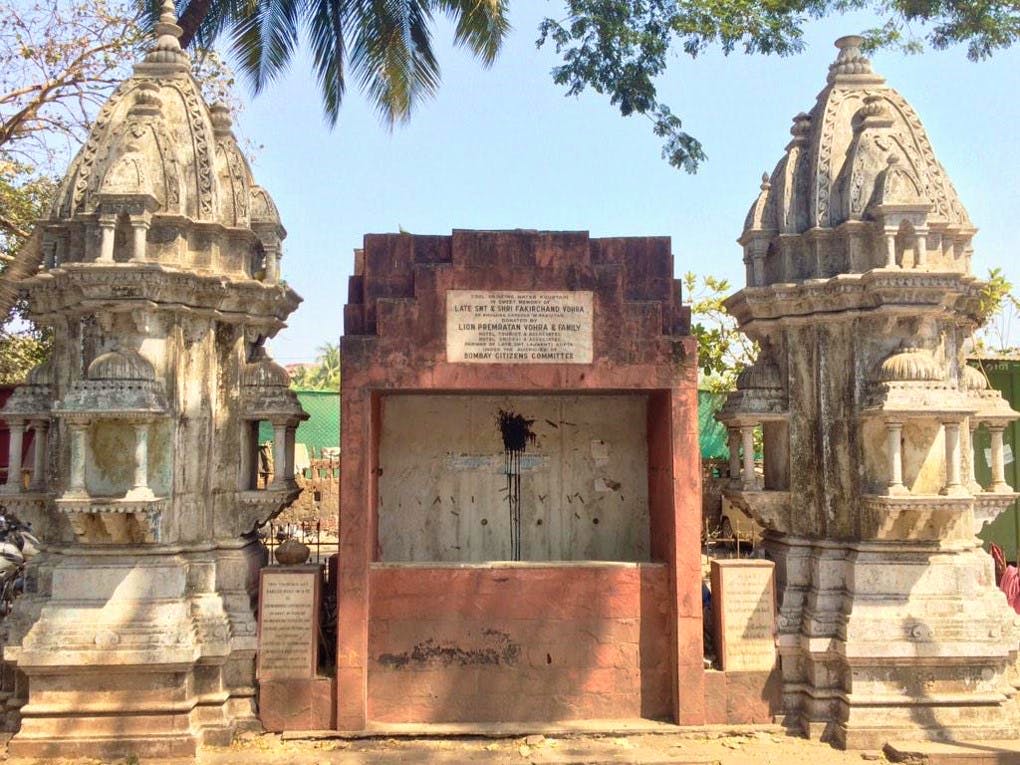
pixel 17 547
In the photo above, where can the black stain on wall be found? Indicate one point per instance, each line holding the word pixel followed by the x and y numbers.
pixel 515 430
pixel 431 652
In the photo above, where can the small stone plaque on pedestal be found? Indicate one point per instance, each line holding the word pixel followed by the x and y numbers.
pixel 288 622
pixel 744 614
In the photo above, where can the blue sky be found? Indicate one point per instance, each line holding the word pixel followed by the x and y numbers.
pixel 503 148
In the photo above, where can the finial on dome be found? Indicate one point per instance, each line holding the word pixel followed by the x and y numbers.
pixel 167 24
pixel 168 38
pixel 849 41
pixel 850 60
pixel 765 184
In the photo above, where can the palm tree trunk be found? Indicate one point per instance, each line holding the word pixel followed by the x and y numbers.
pixel 192 18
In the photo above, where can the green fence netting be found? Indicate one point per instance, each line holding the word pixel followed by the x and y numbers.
pixel 322 428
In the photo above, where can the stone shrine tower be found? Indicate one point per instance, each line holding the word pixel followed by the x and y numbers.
pixel 860 295
pixel 159 277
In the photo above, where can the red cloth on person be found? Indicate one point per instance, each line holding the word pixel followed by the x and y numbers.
pixel 1010 584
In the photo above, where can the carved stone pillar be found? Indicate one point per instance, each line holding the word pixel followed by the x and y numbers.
pixel 140 230
pixel 747 437
pixel 107 235
pixel 248 478
pixel 998 464
pixel 140 483
pixel 272 251
pixel 890 249
pixel 41 430
pixel 17 433
pixel 734 446
pixel 971 481
pixel 921 245
pixel 288 445
pixel 894 432
pixel 954 486
pixel 279 454
pixel 79 448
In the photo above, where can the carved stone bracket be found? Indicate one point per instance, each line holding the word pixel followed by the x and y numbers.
pixel 921 518
pixel 98 520
pixel 770 509
pixel 256 508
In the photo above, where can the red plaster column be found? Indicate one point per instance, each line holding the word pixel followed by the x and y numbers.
pixel 354 553
pixel 686 464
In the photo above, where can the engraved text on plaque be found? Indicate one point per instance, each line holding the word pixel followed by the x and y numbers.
pixel 518 327
pixel 288 624
pixel 743 606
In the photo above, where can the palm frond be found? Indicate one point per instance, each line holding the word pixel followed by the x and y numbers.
pixel 326 20
pixel 265 34
pixel 392 55
pixel 482 25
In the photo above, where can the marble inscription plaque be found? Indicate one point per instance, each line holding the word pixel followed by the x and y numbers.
pixel 743 605
pixel 288 623
pixel 519 327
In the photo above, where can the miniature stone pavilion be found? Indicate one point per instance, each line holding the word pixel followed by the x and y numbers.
pixel 860 295
pixel 160 281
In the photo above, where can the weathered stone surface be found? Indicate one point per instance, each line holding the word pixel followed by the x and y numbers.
pixel 159 277
pixel 860 295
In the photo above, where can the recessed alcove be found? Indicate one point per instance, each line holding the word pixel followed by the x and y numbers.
pixel 450 491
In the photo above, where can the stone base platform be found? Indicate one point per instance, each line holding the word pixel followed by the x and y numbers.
pixel 1003 752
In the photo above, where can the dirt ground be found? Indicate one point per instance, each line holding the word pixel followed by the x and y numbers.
pixel 762 746
pixel 767 746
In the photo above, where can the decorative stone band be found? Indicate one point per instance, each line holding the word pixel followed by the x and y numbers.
pixel 921 399
pixel 923 518
pixel 754 405
pixel 73 287
pixel 112 399
pixel 99 520
pixel 29 401
pixel 862 292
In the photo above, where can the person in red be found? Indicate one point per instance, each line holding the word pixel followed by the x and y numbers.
pixel 1007 576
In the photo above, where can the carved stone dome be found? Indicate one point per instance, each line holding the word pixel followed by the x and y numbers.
pixel 155 140
pixel 762 215
pixel 265 390
pixel 41 374
pixel 120 365
pixel 762 375
pixel 264 373
pixel 910 365
pixel 972 379
pixel 861 145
